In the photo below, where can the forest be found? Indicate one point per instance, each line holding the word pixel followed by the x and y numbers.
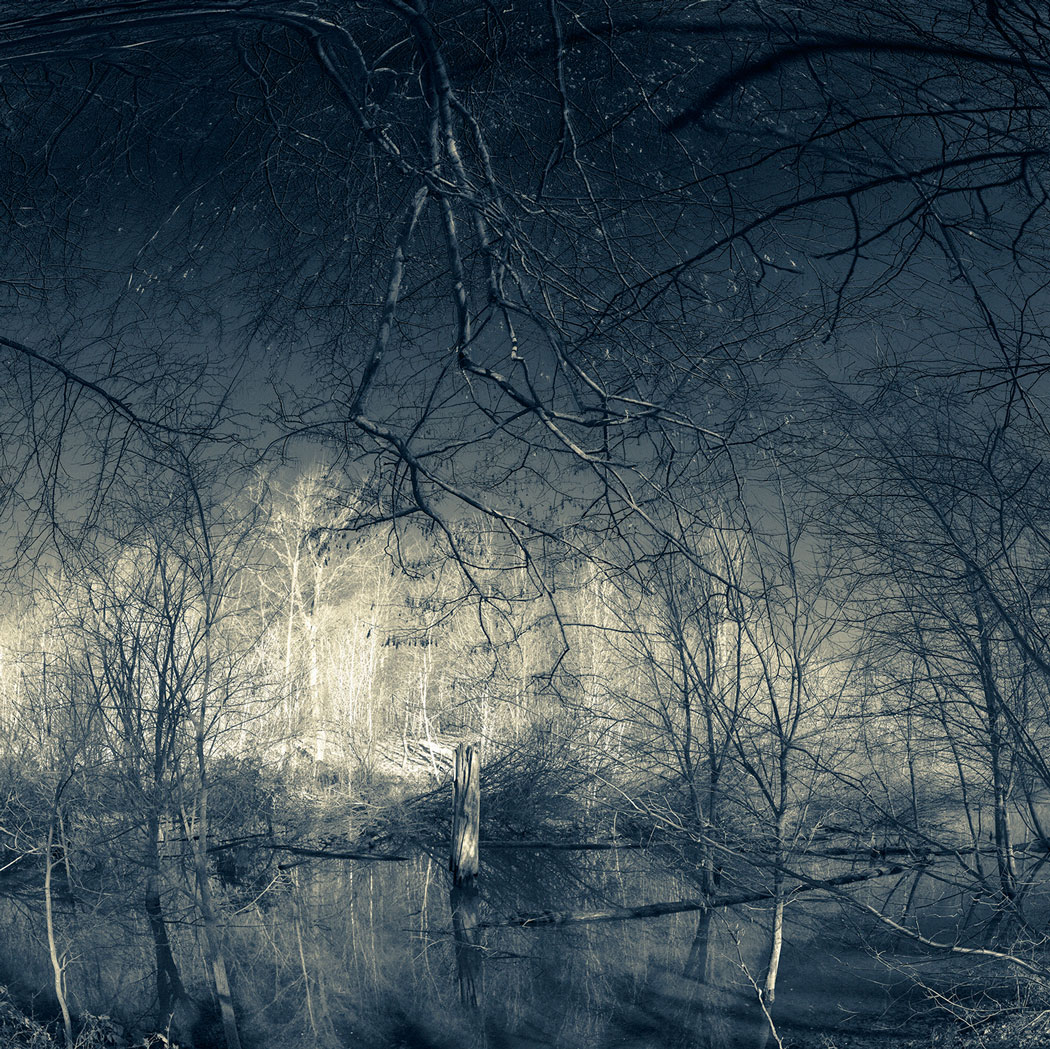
pixel 642 402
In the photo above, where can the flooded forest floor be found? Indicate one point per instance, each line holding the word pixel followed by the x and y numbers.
pixel 340 927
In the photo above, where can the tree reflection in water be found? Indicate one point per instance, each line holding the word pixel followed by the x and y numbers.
pixel 384 954
pixel 463 902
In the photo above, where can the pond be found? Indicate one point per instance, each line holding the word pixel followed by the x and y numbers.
pixel 336 953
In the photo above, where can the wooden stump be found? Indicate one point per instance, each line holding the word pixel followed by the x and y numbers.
pixel 466 816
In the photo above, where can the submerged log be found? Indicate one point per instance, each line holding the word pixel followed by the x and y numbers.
pixel 466 815
pixel 565 846
pixel 332 854
pixel 656 910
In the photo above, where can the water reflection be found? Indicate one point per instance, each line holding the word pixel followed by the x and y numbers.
pixel 333 953
pixel 696 967
pixel 464 902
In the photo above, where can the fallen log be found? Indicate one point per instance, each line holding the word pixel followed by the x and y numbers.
pixel 327 854
pixel 567 846
pixel 656 910
pixel 264 841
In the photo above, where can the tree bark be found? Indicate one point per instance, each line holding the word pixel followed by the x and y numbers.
pixel 466 815
pixel 769 986
pixel 212 938
pixel 170 989
pixel 57 962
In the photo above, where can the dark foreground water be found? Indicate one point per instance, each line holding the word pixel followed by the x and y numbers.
pixel 336 953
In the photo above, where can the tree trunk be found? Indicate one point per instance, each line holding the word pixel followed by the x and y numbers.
pixel 776 937
pixel 1004 855
pixel 213 947
pixel 170 989
pixel 212 938
pixel 769 987
pixel 57 962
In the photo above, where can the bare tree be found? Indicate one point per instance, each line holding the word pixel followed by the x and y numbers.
pixel 153 625
pixel 555 267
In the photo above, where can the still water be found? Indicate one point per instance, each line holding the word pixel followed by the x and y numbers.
pixel 336 953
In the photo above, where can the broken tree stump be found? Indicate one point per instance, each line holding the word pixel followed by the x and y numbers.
pixel 466 816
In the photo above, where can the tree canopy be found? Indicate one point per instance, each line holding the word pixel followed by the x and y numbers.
pixel 518 258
